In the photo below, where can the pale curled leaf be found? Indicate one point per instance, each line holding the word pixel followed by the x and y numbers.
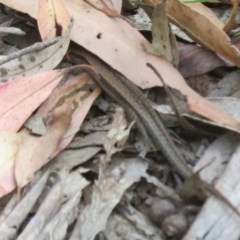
pixel 35 60
pixel 11 30
pixel 117 135
pixel 232 21
pixel 51 16
pixel 70 159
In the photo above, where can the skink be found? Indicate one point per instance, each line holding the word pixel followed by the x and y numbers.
pixel 138 108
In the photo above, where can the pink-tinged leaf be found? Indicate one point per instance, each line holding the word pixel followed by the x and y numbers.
pixel 22 154
pixel 22 96
pixel 62 17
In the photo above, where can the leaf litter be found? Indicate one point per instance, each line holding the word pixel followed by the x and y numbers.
pixel 86 192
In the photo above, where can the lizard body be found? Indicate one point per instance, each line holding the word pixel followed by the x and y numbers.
pixel 137 106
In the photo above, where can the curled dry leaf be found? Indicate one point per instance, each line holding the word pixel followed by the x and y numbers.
pixel 51 16
pixel 232 21
pixel 200 23
pixel 37 58
pixel 117 135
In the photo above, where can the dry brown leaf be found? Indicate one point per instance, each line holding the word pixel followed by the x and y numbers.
pixel 232 21
pixel 63 19
pixel 51 16
pixel 198 21
pixel 46 12
pixel 37 59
